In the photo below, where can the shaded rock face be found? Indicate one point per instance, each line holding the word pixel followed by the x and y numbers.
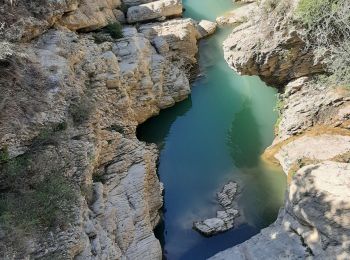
pixel 25 20
pixel 242 54
pixel 99 92
pixel 311 144
pixel 270 47
pixel 314 223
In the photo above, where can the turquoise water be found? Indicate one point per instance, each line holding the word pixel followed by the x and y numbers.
pixel 216 135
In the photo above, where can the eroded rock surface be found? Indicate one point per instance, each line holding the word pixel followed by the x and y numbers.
pixel 311 143
pixel 224 219
pixel 314 223
pixel 154 10
pixel 73 103
pixel 271 48
pixel 238 16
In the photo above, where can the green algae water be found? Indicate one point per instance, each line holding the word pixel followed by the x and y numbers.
pixel 216 135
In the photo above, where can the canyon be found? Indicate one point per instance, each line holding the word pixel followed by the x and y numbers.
pixel 71 99
pixel 311 144
pixel 73 95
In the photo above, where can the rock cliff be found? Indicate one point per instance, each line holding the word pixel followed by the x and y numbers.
pixel 312 142
pixel 72 96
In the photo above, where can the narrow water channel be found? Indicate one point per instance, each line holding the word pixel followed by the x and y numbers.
pixel 214 136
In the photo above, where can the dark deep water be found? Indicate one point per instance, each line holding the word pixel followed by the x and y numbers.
pixel 216 135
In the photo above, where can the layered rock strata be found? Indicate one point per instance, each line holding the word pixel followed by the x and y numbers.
pixel 154 10
pixel 312 143
pixel 71 99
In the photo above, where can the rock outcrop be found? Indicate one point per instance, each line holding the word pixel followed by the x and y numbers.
pixel 312 144
pixel 71 100
pixel 206 28
pixel 238 15
pixel 155 10
pixel 314 223
pixel 271 47
pixel 224 219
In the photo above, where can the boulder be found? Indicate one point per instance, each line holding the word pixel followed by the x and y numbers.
pixel 181 36
pixel 224 219
pixel 227 195
pixel 206 28
pixel 154 10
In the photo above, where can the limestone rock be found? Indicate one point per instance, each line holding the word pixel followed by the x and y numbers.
pixel 314 224
pixel 312 148
pixel 227 195
pixel 136 2
pixel 206 28
pixel 30 19
pixel 238 16
pixel 181 36
pixel 307 104
pixel 224 219
pixel 271 48
pixel 91 15
pixel 212 226
pixel 154 10
pixel 124 82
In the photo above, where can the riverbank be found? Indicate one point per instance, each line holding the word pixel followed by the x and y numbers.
pixel 76 80
pixel 312 141
pixel 216 135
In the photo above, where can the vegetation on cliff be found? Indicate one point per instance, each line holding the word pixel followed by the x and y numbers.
pixel 327 24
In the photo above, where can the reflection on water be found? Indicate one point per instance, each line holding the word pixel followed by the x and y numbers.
pixel 216 135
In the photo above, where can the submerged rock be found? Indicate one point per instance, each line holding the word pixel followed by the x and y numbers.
pixel 314 223
pixel 224 219
pixel 227 195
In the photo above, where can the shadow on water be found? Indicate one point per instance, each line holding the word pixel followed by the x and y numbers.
pixel 163 122
pixel 244 140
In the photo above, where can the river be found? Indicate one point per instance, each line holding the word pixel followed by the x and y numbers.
pixel 216 135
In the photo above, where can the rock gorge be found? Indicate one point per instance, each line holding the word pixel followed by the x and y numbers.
pixel 72 97
pixel 312 142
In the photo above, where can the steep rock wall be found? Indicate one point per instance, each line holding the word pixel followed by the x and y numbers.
pixel 312 142
pixel 71 103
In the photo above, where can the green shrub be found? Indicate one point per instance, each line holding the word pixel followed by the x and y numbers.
pixel 4 155
pixel 47 204
pixel 80 111
pixel 60 127
pixel 311 12
pixel 114 30
pixel 49 135
pixel 124 8
pixel 327 24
